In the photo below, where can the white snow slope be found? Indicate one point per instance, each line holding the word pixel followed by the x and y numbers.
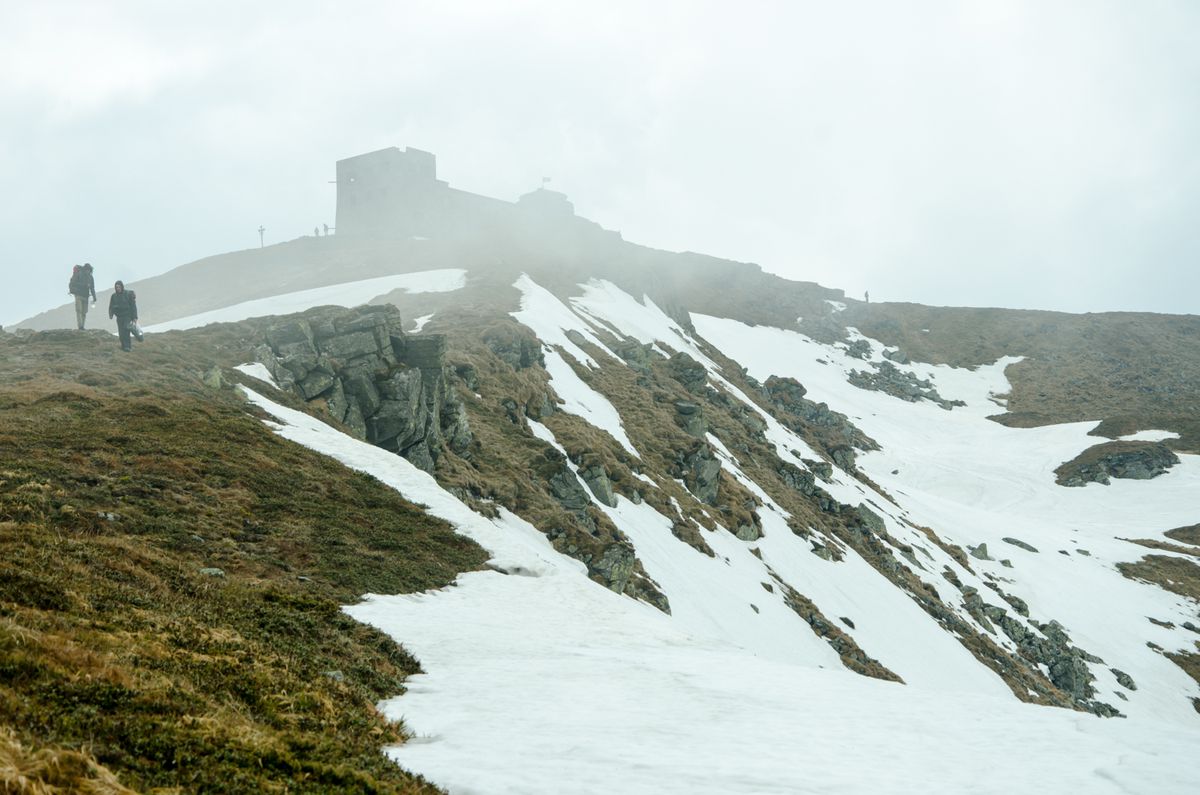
pixel 539 680
pixel 346 294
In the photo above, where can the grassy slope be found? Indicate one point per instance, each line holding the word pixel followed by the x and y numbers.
pixel 116 655
pixel 1135 371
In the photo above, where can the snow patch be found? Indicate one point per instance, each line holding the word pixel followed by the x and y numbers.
pixel 258 370
pixel 345 294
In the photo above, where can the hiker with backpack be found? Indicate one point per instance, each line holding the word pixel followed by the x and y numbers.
pixel 81 285
pixel 123 306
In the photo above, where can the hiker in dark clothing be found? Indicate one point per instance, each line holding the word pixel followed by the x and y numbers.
pixel 81 285
pixel 123 306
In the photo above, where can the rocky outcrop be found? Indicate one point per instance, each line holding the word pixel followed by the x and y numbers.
pixel 837 434
pixel 902 384
pixel 515 345
pixel 1134 460
pixel 384 386
pixel 689 372
pixel 690 417
pixel 700 472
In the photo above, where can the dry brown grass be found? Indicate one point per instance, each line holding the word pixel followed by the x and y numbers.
pixel 115 650
pixel 1173 574
pixel 52 771
pixel 1188 535
pixel 1134 371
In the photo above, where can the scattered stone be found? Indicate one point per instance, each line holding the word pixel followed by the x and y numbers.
pixel 1006 563
pixel 768 587
pixel 754 607
pixel 198 539
pixel 859 349
pixel 1190 626
pixel 1064 552
pixel 302 578
pixel 1016 542
pixel 336 676
pixel 1084 552
pixel 902 384
pixel 212 572
pixel 846 621
pixel 897 356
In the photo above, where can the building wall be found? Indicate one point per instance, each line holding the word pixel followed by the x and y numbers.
pixel 394 193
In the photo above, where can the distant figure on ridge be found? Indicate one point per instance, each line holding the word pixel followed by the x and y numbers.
pixel 316 231
pixel 123 306
pixel 81 285
pixel 867 296
pixel 326 229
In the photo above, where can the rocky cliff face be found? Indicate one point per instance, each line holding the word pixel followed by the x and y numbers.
pixel 384 386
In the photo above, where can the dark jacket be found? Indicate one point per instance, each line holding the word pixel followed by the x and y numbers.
pixel 82 284
pixel 123 305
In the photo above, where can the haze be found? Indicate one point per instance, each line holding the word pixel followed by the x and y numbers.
pixel 1021 154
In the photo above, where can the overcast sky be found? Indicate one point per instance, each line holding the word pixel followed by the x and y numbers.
pixel 1034 154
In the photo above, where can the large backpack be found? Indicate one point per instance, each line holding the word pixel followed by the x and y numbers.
pixel 77 281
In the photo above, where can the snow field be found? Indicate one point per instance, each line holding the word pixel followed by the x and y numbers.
pixel 975 481
pixel 549 683
pixel 345 294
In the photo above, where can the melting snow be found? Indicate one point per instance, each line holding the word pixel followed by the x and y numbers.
pixel 549 683
pixel 345 294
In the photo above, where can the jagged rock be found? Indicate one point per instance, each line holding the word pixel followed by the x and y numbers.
pixel 336 401
pixel 700 471
pixel 351 360
pixel 822 469
pixel 872 520
pixel 1134 460
pixel 597 480
pixel 564 486
pixel 354 421
pixel 980 552
pixel 349 346
pixel 315 384
pixel 838 434
pixel 212 572
pixel 821 551
pixel 1016 542
pixel 289 331
pixel 689 372
pixel 690 417
pixel 897 356
pixel 615 565
pixel 1124 679
pixel 635 354
pixel 748 532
